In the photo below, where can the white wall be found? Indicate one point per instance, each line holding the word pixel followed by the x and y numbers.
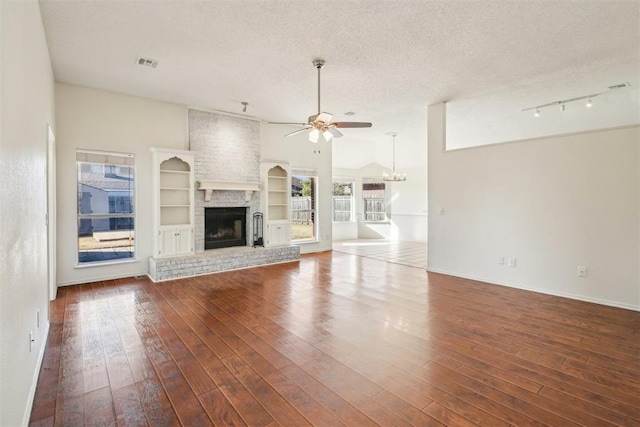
pixel 99 120
pixel 497 116
pixel 299 152
pixel 553 204
pixel 347 230
pixel 26 107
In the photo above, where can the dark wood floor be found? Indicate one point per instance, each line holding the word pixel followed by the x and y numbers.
pixel 334 340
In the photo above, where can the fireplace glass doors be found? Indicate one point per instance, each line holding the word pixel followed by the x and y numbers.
pixel 225 227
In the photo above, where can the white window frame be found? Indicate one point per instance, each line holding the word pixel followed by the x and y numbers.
pixel 384 217
pixel 309 173
pixel 105 159
pixel 352 182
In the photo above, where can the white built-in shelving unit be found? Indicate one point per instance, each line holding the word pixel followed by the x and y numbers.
pixel 276 193
pixel 173 202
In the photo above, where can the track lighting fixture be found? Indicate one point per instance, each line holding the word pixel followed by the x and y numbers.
pixel 562 103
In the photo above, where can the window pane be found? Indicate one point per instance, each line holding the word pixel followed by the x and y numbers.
pixel 342 201
pixel 105 189
pixel 106 206
pixel 105 239
pixel 373 194
pixel 303 204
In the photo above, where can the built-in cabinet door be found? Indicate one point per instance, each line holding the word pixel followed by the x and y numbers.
pixel 184 239
pixel 166 242
pixel 278 233
pixel 175 241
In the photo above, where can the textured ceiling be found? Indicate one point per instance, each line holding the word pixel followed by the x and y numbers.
pixel 386 60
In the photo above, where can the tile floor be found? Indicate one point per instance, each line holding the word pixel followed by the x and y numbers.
pixel 413 254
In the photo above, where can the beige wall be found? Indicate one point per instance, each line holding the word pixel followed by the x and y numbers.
pixel 26 107
pixel 553 204
pixel 99 120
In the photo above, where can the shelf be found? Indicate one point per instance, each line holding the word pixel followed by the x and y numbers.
pixel 172 171
pixel 277 177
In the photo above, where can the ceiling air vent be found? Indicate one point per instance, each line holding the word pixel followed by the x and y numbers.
pixel 620 86
pixel 146 62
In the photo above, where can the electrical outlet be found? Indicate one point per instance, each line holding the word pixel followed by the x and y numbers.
pixel 582 271
pixel 501 260
pixel 512 262
pixel 441 211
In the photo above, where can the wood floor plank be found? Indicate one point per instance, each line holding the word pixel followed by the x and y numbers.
pixel 220 409
pixel 333 340
pixel 281 410
pixel 327 397
pixel 404 410
pixel 128 407
pixel 156 404
pixel 446 416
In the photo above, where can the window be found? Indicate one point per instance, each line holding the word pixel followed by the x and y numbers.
pixel 373 194
pixel 342 201
pixel 303 205
pixel 106 206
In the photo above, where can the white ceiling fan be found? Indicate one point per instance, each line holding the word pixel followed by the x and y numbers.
pixel 321 123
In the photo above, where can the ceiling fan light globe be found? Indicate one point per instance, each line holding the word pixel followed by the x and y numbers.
pixel 313 135
pixel 328 136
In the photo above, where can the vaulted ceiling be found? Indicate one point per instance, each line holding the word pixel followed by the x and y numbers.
pixel 386 60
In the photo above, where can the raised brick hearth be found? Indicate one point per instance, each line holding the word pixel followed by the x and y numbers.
pixel 218 260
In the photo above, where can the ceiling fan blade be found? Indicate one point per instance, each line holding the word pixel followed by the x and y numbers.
pixel 321 117
pixel 335 132
pixel 287 123
pixel 352 124
pixel 295 132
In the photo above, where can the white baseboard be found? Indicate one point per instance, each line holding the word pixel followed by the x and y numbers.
pixel 541 291
pixel 34 381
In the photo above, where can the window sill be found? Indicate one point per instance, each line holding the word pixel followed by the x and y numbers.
pixel 304 242
pixel 101 263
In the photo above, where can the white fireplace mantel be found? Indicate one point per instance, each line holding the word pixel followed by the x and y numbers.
pixel 209 186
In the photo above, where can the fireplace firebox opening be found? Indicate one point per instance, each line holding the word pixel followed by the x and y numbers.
pixel 225 227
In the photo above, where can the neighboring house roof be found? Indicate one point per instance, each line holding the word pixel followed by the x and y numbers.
pixel 106 182
pixel 109 185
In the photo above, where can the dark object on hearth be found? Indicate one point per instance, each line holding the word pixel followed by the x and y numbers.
pixel 257 229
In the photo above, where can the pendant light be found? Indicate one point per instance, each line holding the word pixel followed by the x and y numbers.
pixel 394 175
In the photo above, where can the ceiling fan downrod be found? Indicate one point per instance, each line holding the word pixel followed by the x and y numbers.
pixel 318 63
